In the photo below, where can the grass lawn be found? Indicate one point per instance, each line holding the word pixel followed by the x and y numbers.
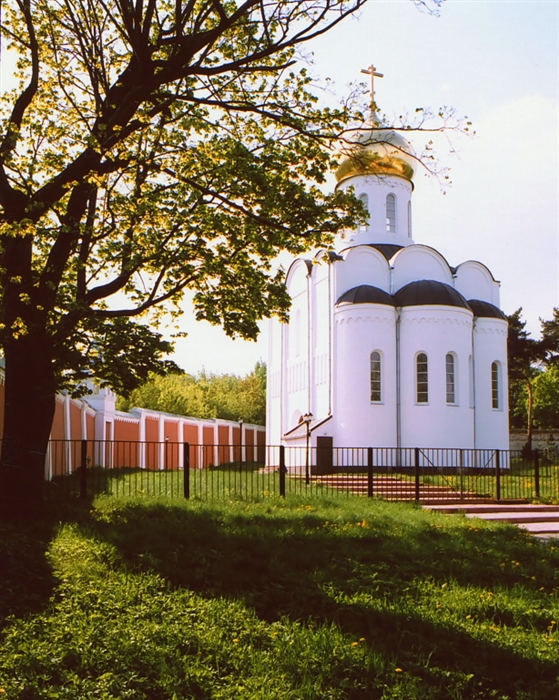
pixel 305 598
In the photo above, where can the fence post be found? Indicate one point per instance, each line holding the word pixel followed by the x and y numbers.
pixel 498 473
pixel 282 470
pixel 537 472
pixel 370 472
pixel 186 469
pixel 83 470
pixel 417 483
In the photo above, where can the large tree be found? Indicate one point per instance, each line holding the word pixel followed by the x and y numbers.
pixel 148 147
pixel 523 354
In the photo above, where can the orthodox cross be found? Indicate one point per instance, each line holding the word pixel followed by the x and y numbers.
pixel 372 71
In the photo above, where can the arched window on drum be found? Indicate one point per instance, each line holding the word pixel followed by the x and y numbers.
pixel 364 199
pixel 391 213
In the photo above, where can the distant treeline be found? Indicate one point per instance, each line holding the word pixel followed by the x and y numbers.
pixel 205 395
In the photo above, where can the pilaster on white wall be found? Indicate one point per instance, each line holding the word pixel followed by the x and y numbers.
pixel 142 436
pixel 83 419
pixel 243 442
pixel 103 401
pixel 181 444
pixel 231 446
pixel 216 444
pixel 68 434
pixel 161 438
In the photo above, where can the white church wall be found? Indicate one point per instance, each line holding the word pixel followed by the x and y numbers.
pixel 321 347
pixel 296 347
pixel 474 281
pixel 376 188
pixel 274 383
pixel 361 329
pixel 490 346
pixel 419 262
pixel 362 265
pixel 435 331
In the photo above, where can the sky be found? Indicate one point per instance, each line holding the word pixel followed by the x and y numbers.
pixel 496 62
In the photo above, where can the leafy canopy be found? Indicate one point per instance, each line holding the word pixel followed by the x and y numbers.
pixel 534 372
pixel 149 147
pixel 205 395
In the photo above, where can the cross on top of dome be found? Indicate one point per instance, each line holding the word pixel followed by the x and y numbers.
pixel 371 71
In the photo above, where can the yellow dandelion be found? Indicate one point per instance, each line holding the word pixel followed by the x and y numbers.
pixel 398 670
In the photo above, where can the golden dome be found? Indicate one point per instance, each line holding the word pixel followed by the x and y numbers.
pixel 376 152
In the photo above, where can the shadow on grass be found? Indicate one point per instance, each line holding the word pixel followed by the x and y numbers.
pixel 306 569
pixel 26 578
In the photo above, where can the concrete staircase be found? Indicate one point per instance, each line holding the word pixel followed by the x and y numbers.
pixel 390 488
pixel 540 520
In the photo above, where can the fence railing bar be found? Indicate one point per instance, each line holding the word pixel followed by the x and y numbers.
pixel 84 468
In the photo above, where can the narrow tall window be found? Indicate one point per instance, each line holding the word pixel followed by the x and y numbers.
pixel 422 379
pixel 495 388
pixel 365 201
pixel 409 219
pixel 376 389
pixel 450 379
pixel 391 213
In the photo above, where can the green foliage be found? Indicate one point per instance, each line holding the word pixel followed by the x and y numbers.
pixel 523 351
pixel 149 149
pixel 205 395
pixel 546 398
pixel 533 373
pixel 550 339
pixel 298 599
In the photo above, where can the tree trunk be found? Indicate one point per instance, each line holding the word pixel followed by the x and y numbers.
pixel 28 414
pixel 530 425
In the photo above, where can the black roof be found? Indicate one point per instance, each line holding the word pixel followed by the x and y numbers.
pixel 429 292
pixel 366 294
pixel 387 249
pixel 483 309
pixel 420 293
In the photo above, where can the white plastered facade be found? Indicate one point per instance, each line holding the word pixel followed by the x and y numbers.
pixel 383 294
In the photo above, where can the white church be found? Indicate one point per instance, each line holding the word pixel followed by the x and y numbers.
pixel 387 345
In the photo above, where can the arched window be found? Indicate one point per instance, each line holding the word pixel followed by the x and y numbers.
pixel 391 213
pixel 365 200
pixel 450 378
pixel 376 379
pixel 495 385
pixel 422 378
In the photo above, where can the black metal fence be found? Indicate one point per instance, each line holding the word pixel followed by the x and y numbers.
pixel 85 468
